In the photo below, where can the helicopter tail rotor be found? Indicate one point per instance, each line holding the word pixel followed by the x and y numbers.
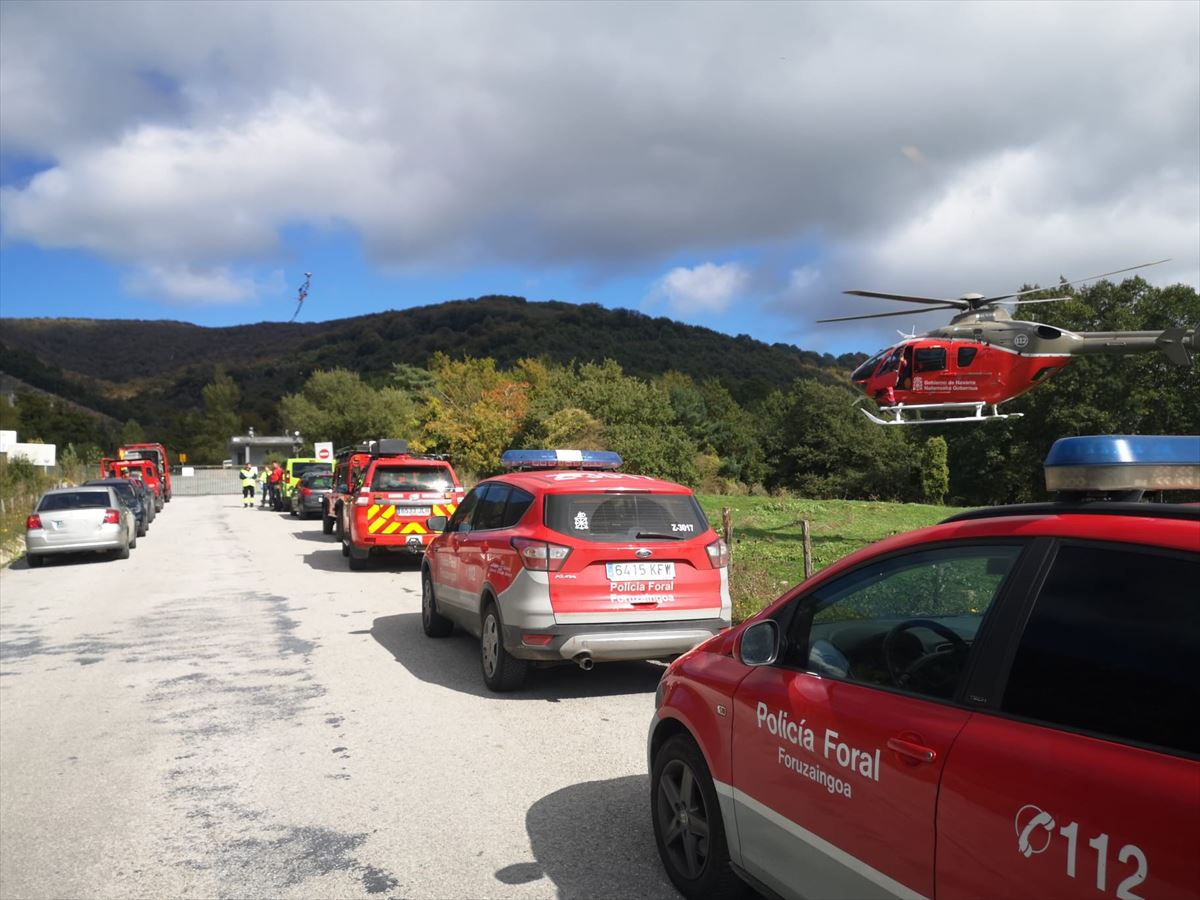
pixel 1178 345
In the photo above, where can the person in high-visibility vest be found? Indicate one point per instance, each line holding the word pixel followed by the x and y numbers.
pixel 262 487
pixel 247 476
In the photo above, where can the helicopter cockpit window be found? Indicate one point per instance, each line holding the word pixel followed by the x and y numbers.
pixel 966 356
pixel 864 371
pixel 930 359
pixel 893 362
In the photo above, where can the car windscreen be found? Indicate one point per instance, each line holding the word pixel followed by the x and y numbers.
pixel 319 482
pixel 300 469
pixel 617 517
pixel 75 500
pixel 412 478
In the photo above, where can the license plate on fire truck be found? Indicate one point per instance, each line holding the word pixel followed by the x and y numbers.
pixel 624 571
pixel 412 510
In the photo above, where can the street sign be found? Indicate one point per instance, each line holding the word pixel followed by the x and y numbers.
pixel 324 451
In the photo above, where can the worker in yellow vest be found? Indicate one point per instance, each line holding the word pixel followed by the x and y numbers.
pixel 247 476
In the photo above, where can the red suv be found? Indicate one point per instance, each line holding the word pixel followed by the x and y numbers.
pixel 1002 705
pixel 394 495
pixel 554 565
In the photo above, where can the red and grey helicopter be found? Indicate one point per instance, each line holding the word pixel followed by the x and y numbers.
pixel 985 357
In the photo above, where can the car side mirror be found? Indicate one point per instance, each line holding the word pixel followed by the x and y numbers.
pixel 760 643
pixel 436 523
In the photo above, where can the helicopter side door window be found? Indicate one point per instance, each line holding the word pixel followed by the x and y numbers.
pixel 931 359
pixel 966 356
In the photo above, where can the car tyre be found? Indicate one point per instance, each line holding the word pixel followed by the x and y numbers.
pixel 326 524
pixel 357 562
pixel 123 553
pixel 433 622
pixel 688 829
pixel 141 529
pixel 133 541
pixel 501 670
pixel 35 560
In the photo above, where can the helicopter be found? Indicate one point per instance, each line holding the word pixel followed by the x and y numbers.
pixel 965 370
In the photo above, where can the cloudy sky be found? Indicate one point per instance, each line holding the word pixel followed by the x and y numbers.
pixel 731 165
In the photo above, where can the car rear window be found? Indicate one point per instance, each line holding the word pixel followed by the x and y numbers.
pixel 320 482
pixel 124 489
pixel 412 478
pixel 299 469
pixel 613 517
pixel 75 500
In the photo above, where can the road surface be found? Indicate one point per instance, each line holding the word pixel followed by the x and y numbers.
pixel 232 713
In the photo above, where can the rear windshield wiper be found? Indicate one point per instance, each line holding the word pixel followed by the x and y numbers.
pixel 661 537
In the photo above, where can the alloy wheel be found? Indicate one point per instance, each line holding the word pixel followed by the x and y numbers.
pixel 683 819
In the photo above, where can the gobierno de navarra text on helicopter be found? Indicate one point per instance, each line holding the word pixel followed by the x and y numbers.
pixel 984 357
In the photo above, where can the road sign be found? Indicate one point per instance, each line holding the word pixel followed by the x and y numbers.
pixel 324 451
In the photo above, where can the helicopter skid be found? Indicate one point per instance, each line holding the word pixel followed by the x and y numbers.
pixel 971 412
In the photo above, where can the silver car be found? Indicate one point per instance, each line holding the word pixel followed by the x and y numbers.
pixel 80 520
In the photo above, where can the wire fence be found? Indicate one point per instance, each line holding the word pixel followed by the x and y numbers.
pixel 200 481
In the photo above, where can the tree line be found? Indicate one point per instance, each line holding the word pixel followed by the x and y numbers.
pixel 804 438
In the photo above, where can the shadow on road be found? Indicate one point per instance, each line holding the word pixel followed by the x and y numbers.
pixel 65 559
pixel 594 840
pixel 453 662
pixel 315 534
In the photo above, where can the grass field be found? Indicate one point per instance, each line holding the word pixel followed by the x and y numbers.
pixel 768 553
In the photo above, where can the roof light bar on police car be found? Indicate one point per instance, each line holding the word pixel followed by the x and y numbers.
pixel 560 459
pixel 1124 463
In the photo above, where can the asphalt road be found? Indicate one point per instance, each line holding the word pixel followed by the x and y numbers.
pixel 233 713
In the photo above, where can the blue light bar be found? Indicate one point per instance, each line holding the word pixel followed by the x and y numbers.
pixel 560 459
pixel 1124 463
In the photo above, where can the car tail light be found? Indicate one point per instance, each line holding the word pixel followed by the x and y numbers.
pixel 112 517
pixel 540 556
pixel 362 500
pixel 305 492
pixel 33 522
pixel 718 553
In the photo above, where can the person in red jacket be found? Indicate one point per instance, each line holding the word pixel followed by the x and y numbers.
pixel 274 480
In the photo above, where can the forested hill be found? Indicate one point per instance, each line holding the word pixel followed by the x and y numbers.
pixel 122 358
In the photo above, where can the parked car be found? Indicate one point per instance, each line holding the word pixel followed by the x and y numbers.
pixel 79 520
pixel 309 497
pixel 293 470
pixel 564 560
pixel 1002 705
pixel 133 496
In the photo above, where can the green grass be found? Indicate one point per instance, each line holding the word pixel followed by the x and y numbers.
pixel 768 551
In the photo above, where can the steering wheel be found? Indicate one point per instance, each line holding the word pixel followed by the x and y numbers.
pixel 924 673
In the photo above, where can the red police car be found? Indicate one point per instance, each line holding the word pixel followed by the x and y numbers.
pixel 1002 705
pixel 570 561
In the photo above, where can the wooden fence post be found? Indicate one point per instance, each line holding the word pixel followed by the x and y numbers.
pixel 727 531
pixel 806 534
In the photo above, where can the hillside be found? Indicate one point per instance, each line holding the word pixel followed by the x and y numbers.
pixel 147 369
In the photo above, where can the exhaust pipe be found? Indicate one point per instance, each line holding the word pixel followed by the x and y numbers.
pixel 584 660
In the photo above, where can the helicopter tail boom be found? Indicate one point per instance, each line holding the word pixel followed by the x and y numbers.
pixel 1176 344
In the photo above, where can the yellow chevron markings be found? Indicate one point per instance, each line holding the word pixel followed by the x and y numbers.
pixel 381 519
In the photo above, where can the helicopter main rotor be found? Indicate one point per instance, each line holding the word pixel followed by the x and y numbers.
pixel 972 302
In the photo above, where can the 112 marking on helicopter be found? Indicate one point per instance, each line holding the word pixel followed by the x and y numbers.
pixel 985 357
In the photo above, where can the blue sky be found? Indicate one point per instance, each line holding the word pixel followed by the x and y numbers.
pixel 736 166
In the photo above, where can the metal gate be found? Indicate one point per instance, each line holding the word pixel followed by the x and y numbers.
pixel 197 481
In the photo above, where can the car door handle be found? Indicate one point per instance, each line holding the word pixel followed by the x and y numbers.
pixel 910 750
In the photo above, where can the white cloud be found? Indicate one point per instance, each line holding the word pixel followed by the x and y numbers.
pixel 705 288
pixel 557 135
pixel 186 284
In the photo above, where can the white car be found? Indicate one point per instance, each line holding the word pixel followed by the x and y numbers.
pixel 80 520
